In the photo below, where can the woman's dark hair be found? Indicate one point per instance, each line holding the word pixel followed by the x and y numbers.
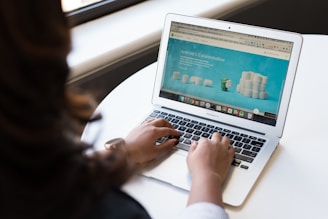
pixel 44 170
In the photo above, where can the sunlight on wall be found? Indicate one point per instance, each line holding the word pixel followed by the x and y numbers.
pixel 70 5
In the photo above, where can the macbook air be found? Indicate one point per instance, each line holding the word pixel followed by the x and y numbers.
pixel 217 76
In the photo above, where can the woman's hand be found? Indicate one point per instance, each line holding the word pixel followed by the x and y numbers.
pixel 141 142
pixel 209 162
pixel 213 156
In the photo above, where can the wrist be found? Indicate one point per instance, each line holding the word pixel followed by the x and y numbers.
pixel 208 176
pixel 211 184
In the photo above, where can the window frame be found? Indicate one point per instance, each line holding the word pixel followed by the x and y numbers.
pixel 98 9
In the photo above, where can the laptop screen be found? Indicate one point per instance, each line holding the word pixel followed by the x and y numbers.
pixel 238 74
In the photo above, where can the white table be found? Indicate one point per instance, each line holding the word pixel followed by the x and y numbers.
pixel 294 183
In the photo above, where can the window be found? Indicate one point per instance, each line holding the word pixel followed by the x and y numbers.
pixel 80 11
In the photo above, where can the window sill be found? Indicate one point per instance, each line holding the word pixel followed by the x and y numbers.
pixel 112 38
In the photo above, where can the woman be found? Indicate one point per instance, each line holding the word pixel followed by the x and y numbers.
pixel 44 170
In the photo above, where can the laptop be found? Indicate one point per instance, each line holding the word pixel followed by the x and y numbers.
pixel 218 76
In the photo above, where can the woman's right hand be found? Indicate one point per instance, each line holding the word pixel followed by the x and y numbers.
pixel 209 162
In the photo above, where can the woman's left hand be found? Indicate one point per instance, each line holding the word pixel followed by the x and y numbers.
pixel 141 142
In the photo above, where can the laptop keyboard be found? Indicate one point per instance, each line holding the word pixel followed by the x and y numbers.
pixel 246 146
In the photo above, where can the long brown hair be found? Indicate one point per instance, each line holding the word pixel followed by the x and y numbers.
pixel 44 172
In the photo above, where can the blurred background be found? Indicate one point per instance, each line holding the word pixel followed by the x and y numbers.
pixel 302 16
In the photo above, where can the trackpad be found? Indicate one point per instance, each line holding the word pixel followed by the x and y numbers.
pixel 172 169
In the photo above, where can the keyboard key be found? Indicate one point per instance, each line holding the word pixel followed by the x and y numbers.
pixel 205 129
pixel 195 138
pixel 236 163
pixel 247 146
pixel 246 140
pixel 244 167
pixel 211 131
pixel 237 138
pixel 249 153
pixel 244 158
pixel 237 150
pixel 257 143
pixel 187 135
pixel 261 140
pixel 205 135
pixel 182 123
pixel 182 128
pixel 231 136
pixel 153 115
pixel 197 133
pixel 256 149
pixel 198 127
pixel 238 144
pixel 168 119
pixel 187 141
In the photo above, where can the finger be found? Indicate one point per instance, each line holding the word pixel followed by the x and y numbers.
pixel 161 123
pixel 225 140
pixel 167 145
pixel 165 131
pixel 231 152
pixel 203 140
pixel 193 146
pixel 216 137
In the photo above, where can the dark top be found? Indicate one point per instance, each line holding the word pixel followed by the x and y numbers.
pixel 116 205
